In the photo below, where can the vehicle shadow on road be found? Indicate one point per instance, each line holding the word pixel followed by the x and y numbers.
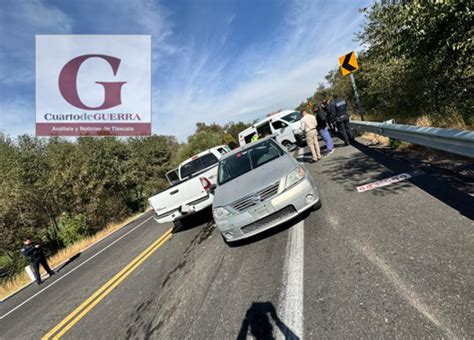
pixel 359 170
pixel 192 221
pixel 257 322
pixel 440 189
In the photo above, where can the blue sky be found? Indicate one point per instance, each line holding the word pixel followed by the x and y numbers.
pixel 213 60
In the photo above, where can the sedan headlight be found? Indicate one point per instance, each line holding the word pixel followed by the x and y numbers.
pixel 294 177
pixel 221 212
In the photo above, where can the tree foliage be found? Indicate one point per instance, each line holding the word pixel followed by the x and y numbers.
pixel 417 60
pixel 57 191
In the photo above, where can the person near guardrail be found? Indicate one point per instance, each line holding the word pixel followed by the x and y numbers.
pixel 329 119
pixel 322 128
pixel 339 111
pixel 308 125
pixel 34 254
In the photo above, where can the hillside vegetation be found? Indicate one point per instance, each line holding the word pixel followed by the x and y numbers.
pixel 416 64
pixel 58 191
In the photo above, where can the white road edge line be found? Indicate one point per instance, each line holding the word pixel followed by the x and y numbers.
pixel 61 263
pixel 72 270
pixel 291 299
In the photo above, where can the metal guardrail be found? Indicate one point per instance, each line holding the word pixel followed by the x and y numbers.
pixel 456 141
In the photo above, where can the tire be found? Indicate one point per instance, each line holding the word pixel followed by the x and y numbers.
pixel 317 206
pixel 287 144
pixel 229 244
pixel 178 225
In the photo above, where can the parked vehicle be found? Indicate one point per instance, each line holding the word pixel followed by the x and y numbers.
pixel 190 184
pixel 285 125
pixel 259 186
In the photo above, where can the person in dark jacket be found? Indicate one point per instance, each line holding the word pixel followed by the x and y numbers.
pixel 329 118
pixel 339 111
pixel 34 254
pixel 322 128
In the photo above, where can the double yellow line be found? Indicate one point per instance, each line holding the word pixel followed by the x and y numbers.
pixel 61 328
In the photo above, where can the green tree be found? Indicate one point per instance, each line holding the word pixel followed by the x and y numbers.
pixel 419 56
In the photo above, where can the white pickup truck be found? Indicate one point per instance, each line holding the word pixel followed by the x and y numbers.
pixel 190 184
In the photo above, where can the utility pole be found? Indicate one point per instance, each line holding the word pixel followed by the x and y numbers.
pixel 356 93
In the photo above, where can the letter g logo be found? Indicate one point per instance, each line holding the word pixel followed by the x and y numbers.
pixel 68 83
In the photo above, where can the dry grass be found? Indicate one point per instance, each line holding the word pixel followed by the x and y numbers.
pixel 376 139
pixel 63 255
pixel 449 121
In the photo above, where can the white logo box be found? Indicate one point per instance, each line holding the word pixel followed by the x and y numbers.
pixel 91 71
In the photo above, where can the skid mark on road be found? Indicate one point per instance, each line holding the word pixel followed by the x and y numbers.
pixel 400 286
pixel 291 299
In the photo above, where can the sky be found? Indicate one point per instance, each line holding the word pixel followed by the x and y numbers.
pixel 212 60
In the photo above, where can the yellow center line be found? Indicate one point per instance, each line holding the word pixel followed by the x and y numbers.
pixel 103 291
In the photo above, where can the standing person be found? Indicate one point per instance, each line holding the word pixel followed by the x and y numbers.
pixel 329 117
pixel 308 125
pixel 321 119
pixel 339 111
pixel 34 254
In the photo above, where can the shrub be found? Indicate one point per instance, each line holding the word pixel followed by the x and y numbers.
pixel 72 228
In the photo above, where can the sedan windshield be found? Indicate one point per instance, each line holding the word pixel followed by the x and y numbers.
pixel 248 159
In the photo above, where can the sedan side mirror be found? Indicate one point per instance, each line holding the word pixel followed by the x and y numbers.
pixel 212 189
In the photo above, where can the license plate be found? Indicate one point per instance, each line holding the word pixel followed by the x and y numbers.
pixel 261 211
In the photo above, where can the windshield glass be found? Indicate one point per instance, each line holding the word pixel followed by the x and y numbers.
pixel 198 164
pixel 173 176
pixel 247 160
pixel 292 117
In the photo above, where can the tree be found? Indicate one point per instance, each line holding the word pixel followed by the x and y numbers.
pixel 425 47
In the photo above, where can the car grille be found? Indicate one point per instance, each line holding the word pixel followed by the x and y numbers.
pixel 257 197
pixel 272 218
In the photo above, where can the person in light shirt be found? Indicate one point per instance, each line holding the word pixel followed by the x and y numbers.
pixel 308 125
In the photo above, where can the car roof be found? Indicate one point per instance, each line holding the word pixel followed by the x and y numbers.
pixel 247 130
pixel 267 119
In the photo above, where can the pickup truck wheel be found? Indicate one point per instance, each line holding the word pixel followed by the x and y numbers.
pixel 287 144
pixel 177 225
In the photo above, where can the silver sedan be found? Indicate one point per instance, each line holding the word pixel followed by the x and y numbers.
pixel 260 186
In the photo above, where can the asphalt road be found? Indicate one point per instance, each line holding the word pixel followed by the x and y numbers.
pixel 391 262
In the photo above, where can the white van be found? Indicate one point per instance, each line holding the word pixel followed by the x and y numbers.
pixel 291 117
pixel 284 124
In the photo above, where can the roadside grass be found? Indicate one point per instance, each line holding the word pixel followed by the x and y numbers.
pixel 62 256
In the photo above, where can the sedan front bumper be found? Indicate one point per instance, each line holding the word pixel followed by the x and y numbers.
pixel 268 214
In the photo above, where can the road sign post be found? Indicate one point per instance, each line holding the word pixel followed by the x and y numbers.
pixel 356 94
pixel 349 64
